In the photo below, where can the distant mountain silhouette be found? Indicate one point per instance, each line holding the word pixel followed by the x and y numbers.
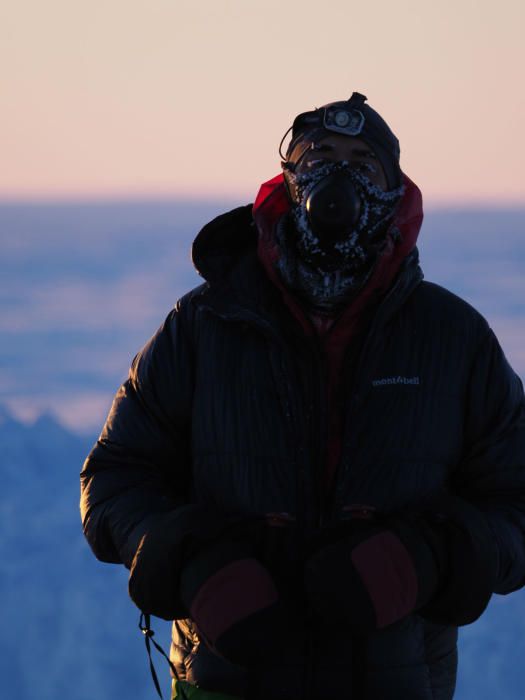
pixel 69 628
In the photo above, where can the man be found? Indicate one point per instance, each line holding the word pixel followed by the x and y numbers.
pixel 317 465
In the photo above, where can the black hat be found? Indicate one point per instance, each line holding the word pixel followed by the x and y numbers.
pixel 353 118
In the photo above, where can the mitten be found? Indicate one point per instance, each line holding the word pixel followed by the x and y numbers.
pixel 376 576
pixel 235 604
pixel 442 563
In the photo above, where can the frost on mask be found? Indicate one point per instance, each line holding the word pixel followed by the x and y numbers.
pixel 327 271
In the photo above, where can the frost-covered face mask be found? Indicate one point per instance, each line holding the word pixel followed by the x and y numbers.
pixel 340 221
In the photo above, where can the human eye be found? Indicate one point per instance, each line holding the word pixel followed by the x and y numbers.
pixel 316 162
pixel 365 168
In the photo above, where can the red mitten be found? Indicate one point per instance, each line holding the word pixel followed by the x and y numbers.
pixel 234 602
pixel 375 577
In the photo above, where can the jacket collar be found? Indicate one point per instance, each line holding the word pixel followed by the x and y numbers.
pixel 236 254
pixel 272 203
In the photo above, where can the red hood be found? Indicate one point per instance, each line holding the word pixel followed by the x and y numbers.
pixel 272 202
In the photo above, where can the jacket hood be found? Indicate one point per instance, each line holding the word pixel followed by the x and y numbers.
pixel 272 202
pixel 225 240
pixel 222 243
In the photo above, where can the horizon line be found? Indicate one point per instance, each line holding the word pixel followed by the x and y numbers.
pixel 140 199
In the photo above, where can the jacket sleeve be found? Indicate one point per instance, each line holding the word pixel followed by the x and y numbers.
pixel 139 469
pixel 482 518
pixel 492 474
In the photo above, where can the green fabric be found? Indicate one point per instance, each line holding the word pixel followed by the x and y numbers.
pixel 191 692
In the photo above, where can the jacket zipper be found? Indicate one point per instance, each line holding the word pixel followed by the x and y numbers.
pixel 324 414
pixel 317 423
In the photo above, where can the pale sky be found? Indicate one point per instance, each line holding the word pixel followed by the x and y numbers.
pixel 129 98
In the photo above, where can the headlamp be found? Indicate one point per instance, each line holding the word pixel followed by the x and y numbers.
pixel 352 118
pixel 343 121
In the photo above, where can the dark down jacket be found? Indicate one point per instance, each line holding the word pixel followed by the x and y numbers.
pixel 222 408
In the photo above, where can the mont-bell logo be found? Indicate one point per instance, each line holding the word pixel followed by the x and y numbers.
pixel 389 381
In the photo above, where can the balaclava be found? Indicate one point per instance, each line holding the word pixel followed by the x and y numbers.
pixel 340 221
